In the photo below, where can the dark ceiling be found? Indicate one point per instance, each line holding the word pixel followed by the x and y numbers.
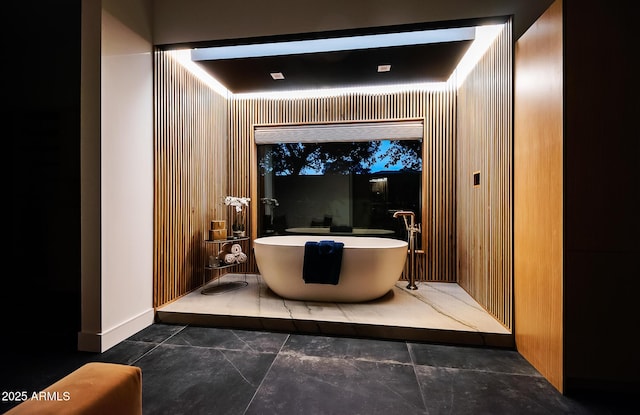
pixel 431 62
pixel 410 64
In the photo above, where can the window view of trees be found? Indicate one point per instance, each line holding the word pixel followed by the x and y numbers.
pixel 338 187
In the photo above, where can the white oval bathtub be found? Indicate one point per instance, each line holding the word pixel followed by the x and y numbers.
pixel 370 267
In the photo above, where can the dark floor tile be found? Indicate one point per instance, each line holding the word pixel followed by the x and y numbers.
pixel 618 402
pixel 348 348
pixel 126 352
pixel 156 333
pixel 197 370
pixel 198 380
pixel 247 340
pixel 473 358
pixel 298 384
pixel 478 392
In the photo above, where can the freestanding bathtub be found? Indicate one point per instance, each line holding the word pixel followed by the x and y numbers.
pixel 370 267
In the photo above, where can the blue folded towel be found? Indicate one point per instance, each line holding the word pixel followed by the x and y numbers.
pixel 322 262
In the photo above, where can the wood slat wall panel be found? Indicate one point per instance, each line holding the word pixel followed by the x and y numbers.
pixel 484 212
pixel 539 176
pixel 436 108
pixel 190 153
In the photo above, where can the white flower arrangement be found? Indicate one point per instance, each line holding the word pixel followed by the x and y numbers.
pixel 238 203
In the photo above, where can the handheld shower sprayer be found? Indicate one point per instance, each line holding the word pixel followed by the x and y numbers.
pixel 412 229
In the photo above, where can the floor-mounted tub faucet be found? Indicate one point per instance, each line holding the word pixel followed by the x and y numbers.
pixel 412 230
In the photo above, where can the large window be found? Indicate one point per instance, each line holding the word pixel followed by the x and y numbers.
pixel 338 185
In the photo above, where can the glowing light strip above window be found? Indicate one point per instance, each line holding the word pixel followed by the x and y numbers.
pixel 334 44
pixel 334 92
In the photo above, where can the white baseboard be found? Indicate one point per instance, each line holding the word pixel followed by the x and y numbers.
pixel 103 341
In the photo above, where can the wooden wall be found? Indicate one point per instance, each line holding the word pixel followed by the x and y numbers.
pixel 190 151
pixel 538 204
pixel 484 211
pixel 436 108
pixel 576 220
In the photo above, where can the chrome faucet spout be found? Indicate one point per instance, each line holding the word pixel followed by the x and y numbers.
pixel 410 224
pixel 399 213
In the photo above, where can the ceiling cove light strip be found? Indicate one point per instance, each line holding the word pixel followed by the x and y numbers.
pixel 484 37
pixel 183 57
pixel 334 92
pixel 334 44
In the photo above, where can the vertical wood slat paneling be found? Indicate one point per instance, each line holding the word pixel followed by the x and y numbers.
pixel 218 159
pixel 438 221
pixel 190 176
pixel 484 212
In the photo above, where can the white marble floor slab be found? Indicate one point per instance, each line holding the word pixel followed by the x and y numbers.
pixel 435 311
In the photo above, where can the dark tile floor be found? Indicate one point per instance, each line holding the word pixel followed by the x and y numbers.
pixel 197 370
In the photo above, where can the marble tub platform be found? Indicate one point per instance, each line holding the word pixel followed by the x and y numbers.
pixel 436 312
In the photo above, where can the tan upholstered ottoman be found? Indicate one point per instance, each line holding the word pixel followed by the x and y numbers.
pixel 95 388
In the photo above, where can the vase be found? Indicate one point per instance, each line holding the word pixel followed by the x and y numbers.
pixel 239 234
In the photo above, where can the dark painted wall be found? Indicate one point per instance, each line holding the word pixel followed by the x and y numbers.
pixel 601 196
pixel 41 281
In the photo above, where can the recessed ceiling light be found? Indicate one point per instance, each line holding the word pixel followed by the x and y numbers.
pixel 384 68
pixel 277 75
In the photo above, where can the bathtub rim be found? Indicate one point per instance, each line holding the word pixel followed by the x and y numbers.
pixel 375 242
